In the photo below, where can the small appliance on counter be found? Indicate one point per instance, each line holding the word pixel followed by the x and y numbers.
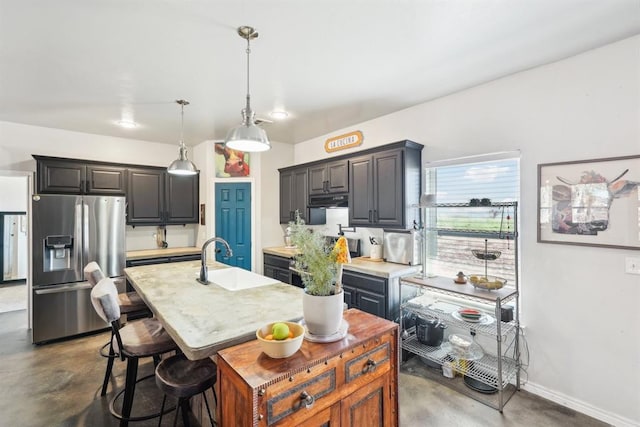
pixel 402 247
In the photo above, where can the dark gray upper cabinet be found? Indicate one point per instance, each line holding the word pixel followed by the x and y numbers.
pixel 60 176
pixel 154 197
pixel 157 197
pixel 106 179
pixel 328 178
pixel 293 193
pixel 68 176
pixel 383 185
pixel 145 196
pixel 382 182
pixel 182 199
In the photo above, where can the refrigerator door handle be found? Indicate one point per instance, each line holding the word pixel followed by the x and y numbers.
pixel 78 241
pixel 85 233
pixel 63 288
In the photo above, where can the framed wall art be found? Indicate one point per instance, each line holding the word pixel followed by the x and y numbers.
pixel 231 163
pixel 590 202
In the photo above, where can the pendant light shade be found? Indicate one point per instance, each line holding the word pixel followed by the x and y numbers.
pixel 182 165
pixel 248 136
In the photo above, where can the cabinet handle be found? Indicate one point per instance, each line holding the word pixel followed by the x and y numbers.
pixel 370 217
pixel 325 186
pixel 375 216
pixel 306 401
pixel 370 366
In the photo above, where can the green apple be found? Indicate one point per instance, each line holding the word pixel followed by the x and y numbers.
pixel 280 331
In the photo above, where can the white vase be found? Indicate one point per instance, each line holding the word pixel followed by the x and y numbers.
pixel 323 314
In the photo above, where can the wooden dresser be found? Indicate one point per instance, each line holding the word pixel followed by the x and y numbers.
pixel 351 382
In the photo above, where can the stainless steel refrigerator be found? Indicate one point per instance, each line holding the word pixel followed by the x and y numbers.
pixel 68 233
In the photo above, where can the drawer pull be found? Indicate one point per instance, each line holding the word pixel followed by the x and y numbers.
pixel 370 366
pixel 306 400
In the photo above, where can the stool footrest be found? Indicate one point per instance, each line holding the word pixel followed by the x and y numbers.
pixel 118 415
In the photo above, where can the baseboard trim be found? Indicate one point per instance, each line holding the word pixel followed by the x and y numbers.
pixel 580 406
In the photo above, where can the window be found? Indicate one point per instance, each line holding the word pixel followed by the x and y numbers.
pixel 455 230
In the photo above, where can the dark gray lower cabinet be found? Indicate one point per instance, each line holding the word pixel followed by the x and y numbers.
pixel 370 294
pixel 277 267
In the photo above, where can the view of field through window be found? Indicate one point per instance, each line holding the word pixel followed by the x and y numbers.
pixel 454 229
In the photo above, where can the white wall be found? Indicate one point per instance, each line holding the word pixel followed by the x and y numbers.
pixel 14 193
pixel 579 307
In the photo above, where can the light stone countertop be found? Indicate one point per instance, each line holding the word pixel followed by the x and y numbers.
pixel 162 252
pixel 364 265
pixel 204 319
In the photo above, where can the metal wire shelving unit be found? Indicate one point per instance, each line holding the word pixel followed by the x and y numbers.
pixel 500 371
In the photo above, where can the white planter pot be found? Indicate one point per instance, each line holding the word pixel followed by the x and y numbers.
pixel 323 314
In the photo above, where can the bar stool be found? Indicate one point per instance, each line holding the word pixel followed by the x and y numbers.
pixel 182 378
pixel 129 303
pixel 137 339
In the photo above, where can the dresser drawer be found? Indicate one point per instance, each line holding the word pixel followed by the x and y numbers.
pixel 300 396
pixel 371 359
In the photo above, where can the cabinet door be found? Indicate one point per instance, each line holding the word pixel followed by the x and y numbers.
pixel 105 179
pixel 182 199
pixel 329 417
pixel 361 194
pixel 349 296
pixel 370 405
pixel 371 303
pixel 145 196
pixel 338 177
pixel 61 177
pixel 317 179
pixel 388 189
pixel 269 271
pixel 286 184
pixel 300 193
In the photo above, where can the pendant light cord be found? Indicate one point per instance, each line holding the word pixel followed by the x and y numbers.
pixel 248 108
pixel 182 125
pixel 182 103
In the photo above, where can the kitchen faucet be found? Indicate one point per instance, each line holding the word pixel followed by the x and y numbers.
pixel 204 272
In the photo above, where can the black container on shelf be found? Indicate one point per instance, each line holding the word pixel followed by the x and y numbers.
pixel 430 331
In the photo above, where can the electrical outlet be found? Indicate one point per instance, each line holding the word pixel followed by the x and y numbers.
pixel 632 265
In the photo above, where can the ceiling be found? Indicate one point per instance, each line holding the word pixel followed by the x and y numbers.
pixel 82 65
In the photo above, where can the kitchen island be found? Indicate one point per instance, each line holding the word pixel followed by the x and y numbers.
pixel 203 319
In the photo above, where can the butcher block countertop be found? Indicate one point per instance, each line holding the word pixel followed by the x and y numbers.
pixel 203 319
pixel 283 251
pixel 389 270
pixel 361 264
pixel 162 252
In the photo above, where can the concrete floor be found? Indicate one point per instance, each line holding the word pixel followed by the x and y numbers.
pixel 58 384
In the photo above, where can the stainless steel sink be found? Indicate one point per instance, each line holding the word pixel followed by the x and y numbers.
pixel 236 279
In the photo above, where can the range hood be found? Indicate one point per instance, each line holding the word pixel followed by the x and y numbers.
pixel 329 200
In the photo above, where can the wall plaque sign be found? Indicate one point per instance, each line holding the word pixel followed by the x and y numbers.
pixel 342 142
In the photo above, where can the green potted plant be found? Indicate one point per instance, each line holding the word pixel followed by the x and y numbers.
pixel 322 302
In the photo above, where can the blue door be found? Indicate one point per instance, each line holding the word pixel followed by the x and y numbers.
pixel 233 222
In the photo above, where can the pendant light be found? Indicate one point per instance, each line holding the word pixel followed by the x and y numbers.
pixel 248 136
pixel 182 165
